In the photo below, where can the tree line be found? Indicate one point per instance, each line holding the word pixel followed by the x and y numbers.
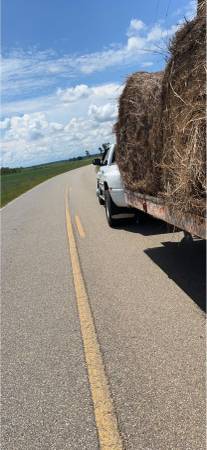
pixel 8 170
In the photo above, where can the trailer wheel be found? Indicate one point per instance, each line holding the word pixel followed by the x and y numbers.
pixel 109 208
pixel 187 239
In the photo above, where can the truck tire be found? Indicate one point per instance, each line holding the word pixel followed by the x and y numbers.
pixel 109 208
pixel 101 201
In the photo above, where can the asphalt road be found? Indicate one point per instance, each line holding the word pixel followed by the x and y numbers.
pixel 147 295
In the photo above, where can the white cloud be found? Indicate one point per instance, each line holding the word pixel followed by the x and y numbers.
pixel 64 104
pixel 74 93
pixel 29 127
pixel 147 64
pixel 5 124
pixel 82 91
pixel 29 105
pixel 34 71
pixel 136 44
pixel 45 123
pixel 32 139
pixel 86 123
pixel 135 25
pixel 103 113
pixel 157 33
pixel 191 10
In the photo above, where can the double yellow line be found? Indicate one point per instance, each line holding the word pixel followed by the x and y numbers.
pixel 106 421
pixel 80 227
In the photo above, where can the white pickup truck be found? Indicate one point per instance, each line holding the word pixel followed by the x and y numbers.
pixel 110 191
pixel 121 202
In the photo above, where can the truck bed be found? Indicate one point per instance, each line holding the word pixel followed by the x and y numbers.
pixel 154 206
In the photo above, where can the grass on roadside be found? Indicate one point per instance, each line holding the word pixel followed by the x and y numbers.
pixel 15 184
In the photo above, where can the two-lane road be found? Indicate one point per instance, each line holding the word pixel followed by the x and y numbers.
pixel 103 333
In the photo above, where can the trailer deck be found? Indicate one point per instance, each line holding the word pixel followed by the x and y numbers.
pixel 154 206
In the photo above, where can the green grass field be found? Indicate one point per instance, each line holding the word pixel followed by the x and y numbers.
pixel 15 184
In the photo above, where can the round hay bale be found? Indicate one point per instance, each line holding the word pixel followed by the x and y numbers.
pixel 138 132
pixel 183 96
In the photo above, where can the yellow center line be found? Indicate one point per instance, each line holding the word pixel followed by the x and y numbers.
pixel 80 226
pixel 106 421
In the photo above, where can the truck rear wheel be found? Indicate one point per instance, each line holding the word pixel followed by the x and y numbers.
pixel 109 208
pixel 101 201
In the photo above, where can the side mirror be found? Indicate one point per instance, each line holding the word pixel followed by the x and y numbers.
pixel 97 162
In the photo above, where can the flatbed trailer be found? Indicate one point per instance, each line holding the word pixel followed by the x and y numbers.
pixel 154 206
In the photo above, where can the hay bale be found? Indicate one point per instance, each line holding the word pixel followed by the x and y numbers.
pixel 201 8
pixel 138 132
pixel 183 96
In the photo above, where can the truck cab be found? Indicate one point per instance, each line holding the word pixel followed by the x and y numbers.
pixel 109 187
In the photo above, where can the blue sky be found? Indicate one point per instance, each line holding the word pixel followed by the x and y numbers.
pixel 64 64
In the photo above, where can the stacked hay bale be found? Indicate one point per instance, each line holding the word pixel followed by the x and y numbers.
pixel 183 119
pixel 160 133
pixel 138 132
